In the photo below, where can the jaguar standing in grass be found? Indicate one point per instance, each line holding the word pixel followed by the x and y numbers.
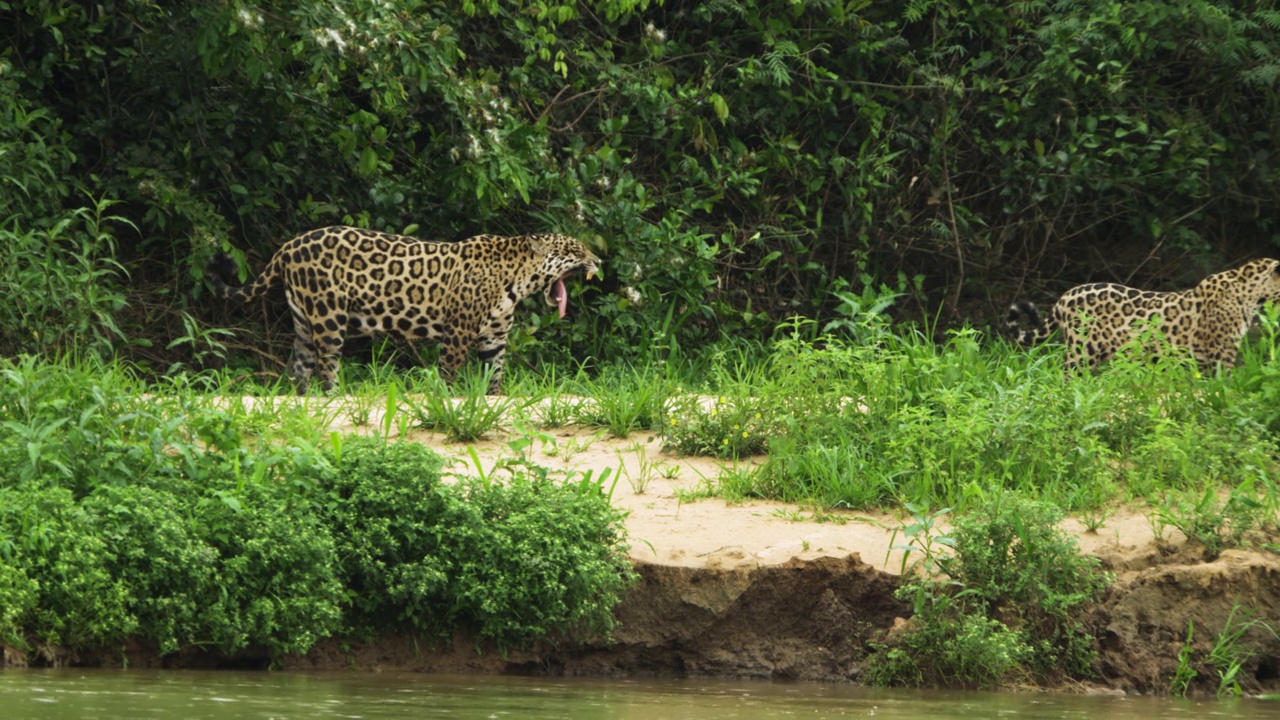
pixel 342 280
pixel 1208 320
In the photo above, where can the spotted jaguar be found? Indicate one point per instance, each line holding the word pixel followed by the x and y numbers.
pixel 344 280
pixel 1207 320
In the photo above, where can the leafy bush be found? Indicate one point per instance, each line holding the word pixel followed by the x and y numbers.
pixel 195 520
pixel 513 561
pixel 384 511
pixel 1004 603
pixel 78 600
pixel 1030 575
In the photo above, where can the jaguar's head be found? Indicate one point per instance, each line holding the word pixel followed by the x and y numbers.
pixel 1263 276
pixel 562 256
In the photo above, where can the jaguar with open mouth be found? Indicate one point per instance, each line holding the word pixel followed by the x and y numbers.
pixel 343 280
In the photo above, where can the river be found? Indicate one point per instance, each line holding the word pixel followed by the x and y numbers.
pixel 199 695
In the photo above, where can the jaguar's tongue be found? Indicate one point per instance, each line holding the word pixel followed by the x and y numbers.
pixel 561 297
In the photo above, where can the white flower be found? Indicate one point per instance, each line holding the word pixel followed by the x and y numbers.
pixel 329 36
pixel 631 294
pixel 653 33
pixel 249 18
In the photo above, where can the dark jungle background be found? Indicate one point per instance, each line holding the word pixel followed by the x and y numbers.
pixel 736 163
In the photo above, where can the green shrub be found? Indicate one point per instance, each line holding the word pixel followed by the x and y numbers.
pixel 1029 574
pixel 384 507
pixel 513 561
pixel 195 520
pixel 534 558
pixel 78 601
pixel 1004 603
pixel 172 571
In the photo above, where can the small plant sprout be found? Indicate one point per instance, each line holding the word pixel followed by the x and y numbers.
pixel 644 467
pixel 1184 673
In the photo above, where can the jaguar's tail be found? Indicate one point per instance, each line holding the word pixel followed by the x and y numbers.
pixel 222 264
pixel 1039 330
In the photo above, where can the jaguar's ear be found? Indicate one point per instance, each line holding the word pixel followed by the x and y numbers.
pixel 538 245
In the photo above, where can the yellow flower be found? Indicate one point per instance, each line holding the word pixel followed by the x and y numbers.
pixel 726 441
pixel 757 416
pixel 735 426
pixel 744 433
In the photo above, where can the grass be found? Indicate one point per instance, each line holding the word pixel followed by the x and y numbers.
pixel 623 399
pixel 470 416
pixel 903 419
pixel 876 418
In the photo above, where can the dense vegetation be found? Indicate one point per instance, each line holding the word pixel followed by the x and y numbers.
pixel 1004 604
pixel 880 417
pixel 737 162
pixel 189 520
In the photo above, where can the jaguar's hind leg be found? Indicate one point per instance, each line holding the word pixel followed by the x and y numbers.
pixel 329 338
pixel 304 350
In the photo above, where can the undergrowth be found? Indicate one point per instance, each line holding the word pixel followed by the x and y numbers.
pixel 994 601
pixel 191 519
pixel 879 419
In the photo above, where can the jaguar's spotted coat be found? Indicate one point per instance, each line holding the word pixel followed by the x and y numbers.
pixel 341 280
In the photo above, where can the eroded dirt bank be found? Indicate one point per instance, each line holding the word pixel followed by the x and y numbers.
pixel 814 620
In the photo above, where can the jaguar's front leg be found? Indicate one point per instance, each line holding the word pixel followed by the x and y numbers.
pixel 493 352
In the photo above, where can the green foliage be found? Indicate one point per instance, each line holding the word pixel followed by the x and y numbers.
pixel 1226 656
pixel 1184 673
pixel 624 398
pixel 1215 522
pixel 513 561
pixel 188 520
pixel 1004 603
pixel 867 416
pixel 1028 573
pixel 384 510
pixel 552 405
pixel 534 558
pixel 740 163
pixel 78 601
pixel 63 282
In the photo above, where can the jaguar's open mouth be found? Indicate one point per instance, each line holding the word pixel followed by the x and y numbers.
pixel 558 294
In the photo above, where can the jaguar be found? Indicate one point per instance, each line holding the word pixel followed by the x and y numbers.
pixel 1208 320
pixel 342 281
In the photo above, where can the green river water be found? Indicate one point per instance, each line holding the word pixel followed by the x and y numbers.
pixel 138 694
